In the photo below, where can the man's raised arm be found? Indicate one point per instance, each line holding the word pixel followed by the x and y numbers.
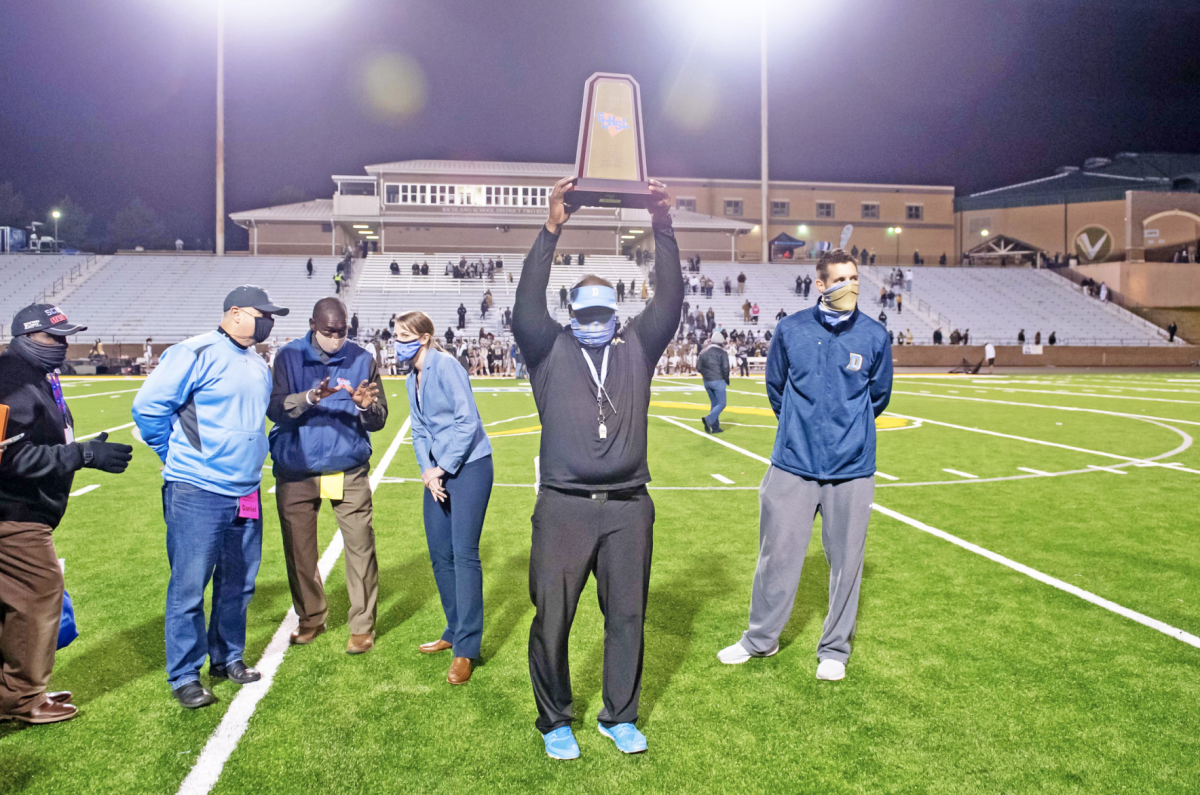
pixel 659 320
pixel 533 328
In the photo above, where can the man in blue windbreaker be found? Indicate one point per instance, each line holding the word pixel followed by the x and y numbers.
pixel 326 400
pixel 829 375
pixel 203 410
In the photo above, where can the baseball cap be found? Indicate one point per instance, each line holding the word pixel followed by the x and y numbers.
pixel 44 317
pixel 253 297
pixel 593 295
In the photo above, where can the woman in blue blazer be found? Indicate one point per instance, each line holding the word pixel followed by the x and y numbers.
pixel 455 457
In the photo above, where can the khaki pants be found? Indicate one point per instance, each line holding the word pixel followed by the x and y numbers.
pixel 299 502
pixel 31 590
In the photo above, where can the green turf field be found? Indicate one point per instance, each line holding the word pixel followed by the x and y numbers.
pixel 967 675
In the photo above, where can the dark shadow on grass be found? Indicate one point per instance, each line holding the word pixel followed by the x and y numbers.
pixel 411 580
pixel 505 603
pixel 114 662
pixel 18 771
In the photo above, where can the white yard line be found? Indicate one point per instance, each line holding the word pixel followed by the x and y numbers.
pixel 1166 629
pixel 885 475
pixel 722 479
pixel 101 394
pixel 1088 596
pixel 1037 472
pixel 1108 469
pixel 1051 406
pixel 1082 394
pixel 961 474
pixel 221 744
pixel 85 489
pixel 721 442
pixel 106 430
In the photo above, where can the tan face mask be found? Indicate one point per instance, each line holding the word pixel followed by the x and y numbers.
pixel 842 298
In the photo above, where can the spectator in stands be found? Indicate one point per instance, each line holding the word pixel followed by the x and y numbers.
pixel 882 318
pixel 581 259
pixel 462 316
pixel 416 269
pixel 354 327
pixel 491 270
pixel 741 283
pixel 1172 330
pixel 908 277
pixel 321 448
pixel 780 315
pixel 710 318
pixel 728 286
pixel 213 454
pixel 506 317
pixel 687 307
pixel 891 298
pixel 899 304
pixel 899 337
pixel 1052 339
pixel 562 297
pixel 499 263
pixel 483 308
pixel 941 261
pixel 1021 337
pixel 746 311
pixel 937 336
pixel 394 268
pixel 632 288
pixel 872 256
pixel 424 268
pixel 449 335
pixel 966 337
pixel 908 337
pixel 1037 338
pixel 337 283
pixel 1103 292
pixel 620 291
pixel 854 252
pixel 955 337
pixel 37 471
pixel 637 256
pixel 754 310
pixel 799 284
pixel 807 285
pixel 916 257
pixel 309 267
pixel 567 260
pixel 883 296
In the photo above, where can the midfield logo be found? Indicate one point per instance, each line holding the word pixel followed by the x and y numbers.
pixel 614 124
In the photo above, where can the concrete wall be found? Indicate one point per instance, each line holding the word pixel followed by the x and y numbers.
pixel 1153 284
pixel 1050 227
pixel 1057 356
pixel 296 239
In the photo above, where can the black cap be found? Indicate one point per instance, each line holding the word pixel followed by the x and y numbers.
pixel 44 317
pixel 251 297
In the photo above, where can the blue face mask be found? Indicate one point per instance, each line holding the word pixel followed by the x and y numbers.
pixel 406 350
pixel 596 334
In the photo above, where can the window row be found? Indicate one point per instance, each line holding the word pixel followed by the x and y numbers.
pixel 783 209
pixel 471 195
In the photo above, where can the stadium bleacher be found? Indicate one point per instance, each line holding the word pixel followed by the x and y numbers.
pixel 120 297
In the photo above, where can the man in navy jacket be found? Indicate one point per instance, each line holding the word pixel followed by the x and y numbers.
pixel 829 375
pixel 326 400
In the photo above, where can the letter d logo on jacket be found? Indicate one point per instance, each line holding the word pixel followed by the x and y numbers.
pixel 855 362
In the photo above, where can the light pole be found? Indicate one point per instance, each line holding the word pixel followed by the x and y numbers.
pixel 220 128
pixel 763 67
pixel 56 215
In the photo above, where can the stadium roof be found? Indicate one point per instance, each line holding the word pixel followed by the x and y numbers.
pixel 321 211
pixel 1098 179
pixel 492 168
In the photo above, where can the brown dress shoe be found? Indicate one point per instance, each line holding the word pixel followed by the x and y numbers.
pixel 60 697
pixel 303 637
pixel 436 646
pixel 460 671
pixel 46 712
pixel 360 643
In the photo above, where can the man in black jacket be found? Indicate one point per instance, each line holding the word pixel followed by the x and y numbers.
pixel 593 513
pixel 37 469
pixel 713 366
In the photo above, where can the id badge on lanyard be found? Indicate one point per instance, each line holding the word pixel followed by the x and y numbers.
pixel 600 378
pixel 56 388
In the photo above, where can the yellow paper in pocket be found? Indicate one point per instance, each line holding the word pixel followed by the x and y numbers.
pixel 332 486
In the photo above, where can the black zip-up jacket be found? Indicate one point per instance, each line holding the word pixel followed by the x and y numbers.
pixel 713 364
pixel 36 473
pixel 573 456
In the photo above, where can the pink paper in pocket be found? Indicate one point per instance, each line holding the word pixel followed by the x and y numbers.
pixel 248 506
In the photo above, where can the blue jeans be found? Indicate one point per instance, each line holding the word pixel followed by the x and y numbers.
pixel 716 397
pixel 206 540
pixel 452 530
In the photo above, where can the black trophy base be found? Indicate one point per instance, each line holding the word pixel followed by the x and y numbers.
pixel 590 192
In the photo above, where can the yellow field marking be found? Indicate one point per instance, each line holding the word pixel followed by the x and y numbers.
pixel 515 431
pixel 881 423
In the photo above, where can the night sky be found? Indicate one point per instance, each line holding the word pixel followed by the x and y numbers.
pixel 108 101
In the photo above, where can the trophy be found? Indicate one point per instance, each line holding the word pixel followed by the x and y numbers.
pixel 610 161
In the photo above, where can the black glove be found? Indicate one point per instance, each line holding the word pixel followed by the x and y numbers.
pixel 105 455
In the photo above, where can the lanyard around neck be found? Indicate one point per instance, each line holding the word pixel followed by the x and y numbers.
pixel 602 376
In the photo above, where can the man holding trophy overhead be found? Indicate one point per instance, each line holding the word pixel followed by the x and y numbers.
pixel 592 388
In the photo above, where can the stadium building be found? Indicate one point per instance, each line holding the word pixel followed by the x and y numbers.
pixel 475 206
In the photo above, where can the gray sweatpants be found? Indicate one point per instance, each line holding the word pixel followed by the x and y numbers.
pixel 788 504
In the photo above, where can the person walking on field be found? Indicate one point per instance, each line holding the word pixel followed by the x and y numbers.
pixel 594 514
pixel 455 458
pixel 327 399
pixel 989 353
pixel 835 351
pixel 713 366
pixel 37 470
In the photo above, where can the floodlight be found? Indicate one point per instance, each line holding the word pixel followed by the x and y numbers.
pixel 636 231
pixel 362 226
pixel 984 233
pixel 56 215
pixel 803 229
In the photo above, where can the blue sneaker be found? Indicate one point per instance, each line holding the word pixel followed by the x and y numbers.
pixel 628 739
pixel 560 744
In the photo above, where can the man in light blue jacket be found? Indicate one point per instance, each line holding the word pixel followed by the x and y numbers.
pixel 203 410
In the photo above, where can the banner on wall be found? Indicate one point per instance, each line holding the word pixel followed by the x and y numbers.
pixel 1032 350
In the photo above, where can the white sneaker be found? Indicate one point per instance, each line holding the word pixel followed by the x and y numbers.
pixel 737 654
pixel 831 670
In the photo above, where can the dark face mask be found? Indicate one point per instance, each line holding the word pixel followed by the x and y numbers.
pixel 262 328
pixel 46 358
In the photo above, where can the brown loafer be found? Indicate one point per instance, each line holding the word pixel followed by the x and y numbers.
pixel 60 697
pixel 359 644
pixel 435 647
pixel 460 671
pixel 303 637
pixel 46 712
